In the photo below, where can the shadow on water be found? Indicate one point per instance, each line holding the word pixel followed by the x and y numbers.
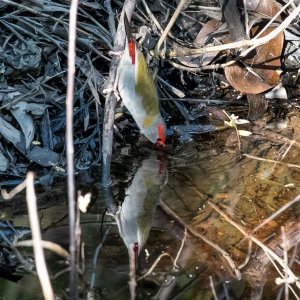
pixel 158 218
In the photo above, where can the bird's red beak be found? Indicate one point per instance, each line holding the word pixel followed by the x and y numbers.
pixel 161 135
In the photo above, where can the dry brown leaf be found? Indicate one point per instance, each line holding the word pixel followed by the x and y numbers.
pixel 201 40
pixel 209 27
pixel 263 64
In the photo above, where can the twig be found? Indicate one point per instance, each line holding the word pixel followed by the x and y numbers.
pixel 111 99
pixel 287 150
pixel 155 264
pixel 39 257
pixel 279 211
pixel 46 245
pixel 285 259
pixel 180 250
pixel 169 26
pixel 193 232
pixel 255 42
pixel 272 161
pixel 245 52
pixel 70 147
pixel 212 287
pixel 273 216
pixel 247 29
pixel 14 192
pixel 268 251
pixel 96 254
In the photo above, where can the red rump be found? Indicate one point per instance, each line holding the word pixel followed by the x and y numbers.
pixel 131 46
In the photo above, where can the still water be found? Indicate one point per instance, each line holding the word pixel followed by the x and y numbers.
pixel 159 221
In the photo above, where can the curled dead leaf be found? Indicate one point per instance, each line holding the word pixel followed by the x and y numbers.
pixel 261 66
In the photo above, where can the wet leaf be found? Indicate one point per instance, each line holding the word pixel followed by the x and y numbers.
pixel 43 156
pixel 9 94
pixel 207 29
pixel 25 120
pixel 3 163
pixel 11 134
pixel 205 37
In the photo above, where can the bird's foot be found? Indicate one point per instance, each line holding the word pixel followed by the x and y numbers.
pixel 112 89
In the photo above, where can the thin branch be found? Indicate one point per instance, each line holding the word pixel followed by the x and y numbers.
pixel 255 42
pixel 155 264
pixel 180 249
pixel 272 161
pixel 39 257
pixel 13 192
pixel 70 147
pixel 46 245
pixel 212 287
pixel 193 232
pixel 272 254
pixel 169 26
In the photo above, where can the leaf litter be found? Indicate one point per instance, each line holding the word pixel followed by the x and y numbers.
pixel 194 90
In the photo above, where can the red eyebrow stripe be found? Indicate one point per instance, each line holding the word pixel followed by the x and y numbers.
pixel 131 46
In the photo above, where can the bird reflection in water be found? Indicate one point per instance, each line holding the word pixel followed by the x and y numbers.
pixel 135 217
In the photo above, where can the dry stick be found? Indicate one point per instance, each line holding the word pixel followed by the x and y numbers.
pixel 245 52
pixel 46 245
pixel 111 99
pixel 193 232
pixel 212 287
pixel 175 266
pixel 155 264
pixel 285 259
pixel 243 43
pixel 169 26
pixel 273 19
pixel 151 15
pixel 272 161
pixel 70 148
pixel 273 216
pixel 14 192
pixel 268 251
pixel 247 29
pixel 279 211
pixel 39 257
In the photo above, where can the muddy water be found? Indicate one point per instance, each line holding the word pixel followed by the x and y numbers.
pixel 166 211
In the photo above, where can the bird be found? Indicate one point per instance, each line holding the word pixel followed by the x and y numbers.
pixel 136 87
